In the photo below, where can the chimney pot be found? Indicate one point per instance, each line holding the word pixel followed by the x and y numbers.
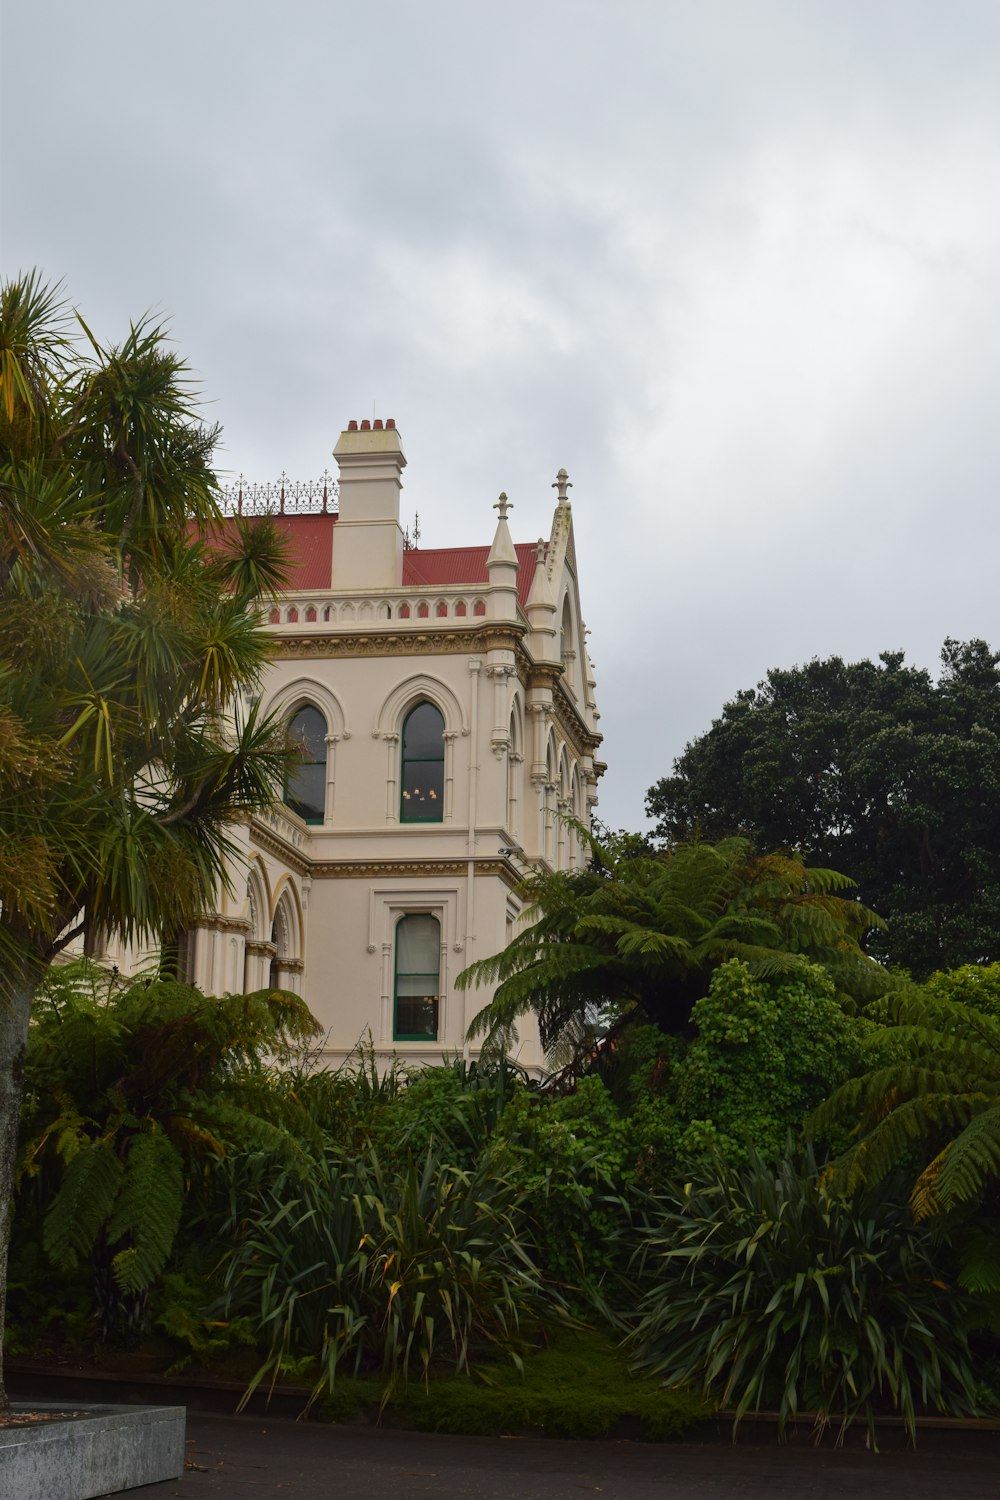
pixel 366 426
pixel 377 424
pixel 352 426
pixel 390 424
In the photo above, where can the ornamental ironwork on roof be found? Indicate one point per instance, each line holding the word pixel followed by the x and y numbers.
pixel 285 497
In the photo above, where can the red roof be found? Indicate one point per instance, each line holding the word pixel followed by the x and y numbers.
pixel 310 563
pixel 450 567
pixel 310 547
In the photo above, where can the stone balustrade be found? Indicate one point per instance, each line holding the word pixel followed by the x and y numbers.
pixel 321 611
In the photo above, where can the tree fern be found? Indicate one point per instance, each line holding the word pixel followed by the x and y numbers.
pixel 646 932
pixel 133 1086
pixel 940 1096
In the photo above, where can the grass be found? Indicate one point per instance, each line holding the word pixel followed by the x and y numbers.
pixel 580 1386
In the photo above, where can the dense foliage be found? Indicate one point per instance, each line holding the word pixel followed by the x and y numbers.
pixel 772 1290
pixel 367 1232
pixel 762 1057
pixel 351 1263
pixel 874 769
pixel 641 935
pixel 130 1087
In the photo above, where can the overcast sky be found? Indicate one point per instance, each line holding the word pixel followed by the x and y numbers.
pixel 734 263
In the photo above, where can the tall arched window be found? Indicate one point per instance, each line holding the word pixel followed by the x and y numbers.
pixel 418 968
pixel 305 789
pixel 421 782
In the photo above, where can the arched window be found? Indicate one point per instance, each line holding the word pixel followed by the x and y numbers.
pixel 421 782
pixel 418 967
pixel 305 789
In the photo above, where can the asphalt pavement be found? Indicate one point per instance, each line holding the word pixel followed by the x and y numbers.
pixel 249 1458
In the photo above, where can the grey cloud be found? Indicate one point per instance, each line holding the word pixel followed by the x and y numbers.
pixel 734 265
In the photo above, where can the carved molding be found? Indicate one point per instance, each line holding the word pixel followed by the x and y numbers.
pixel 213 922
pixel 496 637
pixel 396 869
pixel 583 740
pixel 260 948
pixel 264 838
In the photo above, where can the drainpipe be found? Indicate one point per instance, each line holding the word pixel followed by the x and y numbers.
pixel 475 666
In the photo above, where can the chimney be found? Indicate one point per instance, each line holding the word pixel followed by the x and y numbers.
pixel 368 542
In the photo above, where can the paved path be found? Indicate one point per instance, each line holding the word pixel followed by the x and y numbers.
pixel 246 1458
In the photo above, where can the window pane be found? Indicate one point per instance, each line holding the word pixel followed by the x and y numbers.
pixel 423 731
pixel 306 792
pixel 308 732
pixel 418 947
pixel 416 1016
pixel 423 791
pixel 418 958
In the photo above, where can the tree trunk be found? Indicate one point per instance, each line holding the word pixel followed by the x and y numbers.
pixel 15 1011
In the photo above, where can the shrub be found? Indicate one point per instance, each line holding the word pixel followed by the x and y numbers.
pixel 765 1053
pixel 355 1266
pixel 572 1159
pixel 766 1287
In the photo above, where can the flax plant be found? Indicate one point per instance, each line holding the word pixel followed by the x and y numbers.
pixel 769 1289
pixel 353 1267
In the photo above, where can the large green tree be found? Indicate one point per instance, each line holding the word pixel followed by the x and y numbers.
pixel 124 641
pixel 875 769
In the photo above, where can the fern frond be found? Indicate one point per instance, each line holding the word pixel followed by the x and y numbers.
pixel 239 1128
pixel 979 1260
pixel 147 1211
pixel 960 1172
pixel 82 1204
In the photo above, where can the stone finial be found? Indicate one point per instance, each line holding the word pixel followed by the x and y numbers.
pixel 562 484
pixel 540 549
pixel 503 554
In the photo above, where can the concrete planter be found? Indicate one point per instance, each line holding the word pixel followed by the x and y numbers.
pixel 103 1449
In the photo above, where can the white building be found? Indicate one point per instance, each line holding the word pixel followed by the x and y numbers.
pixel 445 703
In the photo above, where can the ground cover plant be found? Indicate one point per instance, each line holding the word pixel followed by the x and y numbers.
pixel 578 1385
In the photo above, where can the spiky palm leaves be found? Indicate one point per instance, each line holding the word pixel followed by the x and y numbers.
pixel 130 1088
pixel 939 1096
pixel 124 639
pixel 647 932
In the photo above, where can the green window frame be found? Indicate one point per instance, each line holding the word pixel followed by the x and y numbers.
pixel 421 777
pixel 416 978
pixel 305 785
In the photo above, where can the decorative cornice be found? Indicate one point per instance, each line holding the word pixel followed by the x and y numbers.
pixel 564 710
pixel 260 948
pixel 266 838
pixel 295 965
pixel 495 637
pixel 568 718
pixel 399 869
pixel 213 922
